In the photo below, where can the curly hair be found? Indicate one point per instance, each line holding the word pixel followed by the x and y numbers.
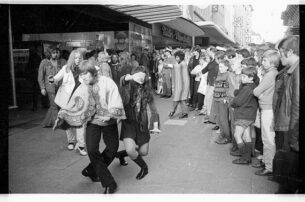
pixel 49 51
pixel 180 54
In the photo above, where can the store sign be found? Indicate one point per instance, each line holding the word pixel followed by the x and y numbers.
pixel 21 55
pixel 174 34
pixel 79 43
pixel 139 37
pixel 166 31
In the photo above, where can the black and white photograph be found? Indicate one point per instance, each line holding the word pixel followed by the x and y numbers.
pixel 143 97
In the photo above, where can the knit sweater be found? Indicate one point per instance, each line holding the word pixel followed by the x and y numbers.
pixel 245 103
pixel 265 90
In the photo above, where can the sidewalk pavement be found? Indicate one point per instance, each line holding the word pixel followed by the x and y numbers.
pixel 19 117
pixel 183 158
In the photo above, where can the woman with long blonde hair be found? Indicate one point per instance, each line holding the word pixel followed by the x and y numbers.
pixel 70 76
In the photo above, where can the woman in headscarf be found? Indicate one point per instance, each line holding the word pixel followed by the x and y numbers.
pixel 135 133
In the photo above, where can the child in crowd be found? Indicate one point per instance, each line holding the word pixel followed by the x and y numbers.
pixel 245 107
pixel 201 79
pixel 221 100
pixel 236 68
pixel 264 91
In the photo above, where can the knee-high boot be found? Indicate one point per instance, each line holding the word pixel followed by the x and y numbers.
pixel 243 149
pixel 144 169
pixel 121 156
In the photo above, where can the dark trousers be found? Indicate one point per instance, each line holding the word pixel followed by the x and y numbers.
pixel 281 140
pixel 193 91
pixel 153 80
pixel 100 161
pixel 200 101
pixel 258 142
pixel 222 116
pixel 195 94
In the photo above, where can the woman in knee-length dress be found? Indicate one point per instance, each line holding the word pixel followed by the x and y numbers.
pixel 181 85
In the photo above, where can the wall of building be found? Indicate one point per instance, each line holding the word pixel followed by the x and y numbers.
pixel 222 15
pixel 242 24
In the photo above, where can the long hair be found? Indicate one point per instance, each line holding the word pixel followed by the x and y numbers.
pixel 146 85
pixel 124 58
pixel 70 62
pixel 49 51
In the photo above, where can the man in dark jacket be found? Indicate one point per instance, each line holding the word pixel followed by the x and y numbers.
pixel 212 69
pixel 194 61
pixel 287 118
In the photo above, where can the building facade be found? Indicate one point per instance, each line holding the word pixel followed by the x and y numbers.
pixel 233 20
pixel 291 18
pixel 242 24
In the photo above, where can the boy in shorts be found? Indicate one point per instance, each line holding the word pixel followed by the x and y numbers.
pixel 245 106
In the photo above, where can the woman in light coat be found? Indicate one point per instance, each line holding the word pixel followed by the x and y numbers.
pixel 181 82
pixel 71 81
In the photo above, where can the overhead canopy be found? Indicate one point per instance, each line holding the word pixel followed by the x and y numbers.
pixel 149 13
pixel 186 26
pixel 215 33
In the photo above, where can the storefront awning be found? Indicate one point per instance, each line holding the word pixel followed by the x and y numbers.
pixel 185 26
pixel 149 13
pixel 214 32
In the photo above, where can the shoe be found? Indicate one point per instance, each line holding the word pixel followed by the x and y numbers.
pixel 86 173
pixel 235 153
pixel 142 173
pixel 260 157
pixel 208 122
pixel 223 141
pixel 122 161
pixel 184 115
pixel 215 128
pixel 110 189
pixel 263 172
pixel 171 114
pixel 192 108
pixel 258 164
pixel 234 148
pixel 82 151
pixel 70 146
pixel 241 161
